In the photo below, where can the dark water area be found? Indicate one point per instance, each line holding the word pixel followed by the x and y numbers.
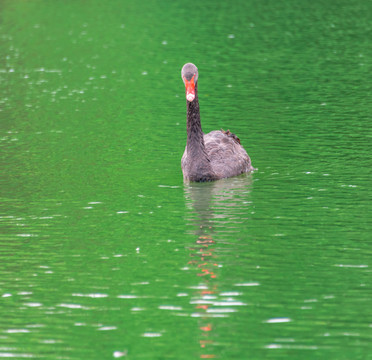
pixel 106 253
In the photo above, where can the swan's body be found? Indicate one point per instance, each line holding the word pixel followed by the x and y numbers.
pixel 226 158
pixel 211 156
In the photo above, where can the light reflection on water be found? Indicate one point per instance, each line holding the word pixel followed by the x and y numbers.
pixel 215 210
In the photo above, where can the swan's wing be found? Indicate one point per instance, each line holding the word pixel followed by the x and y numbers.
pixel 227 156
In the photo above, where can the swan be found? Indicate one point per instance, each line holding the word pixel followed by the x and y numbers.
pixel 211 156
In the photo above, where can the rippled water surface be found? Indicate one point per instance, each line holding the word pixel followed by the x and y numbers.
pixel 106 253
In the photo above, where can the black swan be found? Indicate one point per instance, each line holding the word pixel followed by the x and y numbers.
pixel 212 156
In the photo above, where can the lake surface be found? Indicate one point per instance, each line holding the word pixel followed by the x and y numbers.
pixel 105 252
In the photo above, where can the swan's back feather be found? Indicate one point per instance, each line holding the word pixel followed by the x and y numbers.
pixel 226 155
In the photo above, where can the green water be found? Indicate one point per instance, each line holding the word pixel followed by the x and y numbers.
pixel 106 253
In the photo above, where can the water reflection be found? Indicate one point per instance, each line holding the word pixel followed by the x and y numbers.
pixel 215 209
pixel 224 199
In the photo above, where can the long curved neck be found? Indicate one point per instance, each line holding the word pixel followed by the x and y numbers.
pixel 200 167
pixel 195 140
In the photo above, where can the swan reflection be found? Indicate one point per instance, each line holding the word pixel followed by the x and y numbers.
pixel 223 203
pixel 215 212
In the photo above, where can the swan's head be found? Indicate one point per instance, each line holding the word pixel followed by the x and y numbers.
pixel 189 75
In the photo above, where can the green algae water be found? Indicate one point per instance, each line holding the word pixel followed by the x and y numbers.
pixel 104 251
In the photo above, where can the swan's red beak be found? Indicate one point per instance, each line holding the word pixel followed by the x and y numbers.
pixel 190 89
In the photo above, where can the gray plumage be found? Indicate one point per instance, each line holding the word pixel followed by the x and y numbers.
pixel 211 156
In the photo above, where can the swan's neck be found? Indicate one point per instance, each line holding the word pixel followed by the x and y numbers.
pixel 195 140
pixel 200 168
